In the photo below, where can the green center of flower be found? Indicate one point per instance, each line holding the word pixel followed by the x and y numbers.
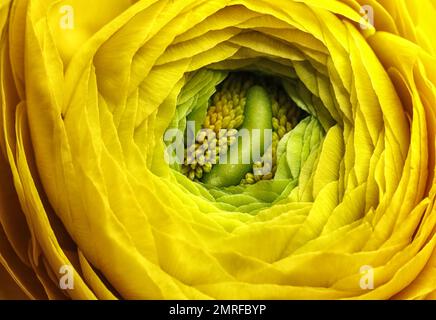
pixel 226 114
pixel 245 140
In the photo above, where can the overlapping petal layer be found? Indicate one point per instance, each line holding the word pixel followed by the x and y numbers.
pixel 84 181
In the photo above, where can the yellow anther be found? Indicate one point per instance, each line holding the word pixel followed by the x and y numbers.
pixel 191 175
pixel 215 99
pixel 201 161
pixel 213 118
pixel 226 121
pixel 199 173
pixel 207 167
pixel 226 110
pixel 258 164
pixel 206 122
pixel 243 100
pixel 275 108
pixel 275 137
pixel 238 121
pixel 249 178
pixel 212 109
pixel 275 123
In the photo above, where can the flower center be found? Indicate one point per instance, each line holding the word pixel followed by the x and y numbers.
pixel 242 101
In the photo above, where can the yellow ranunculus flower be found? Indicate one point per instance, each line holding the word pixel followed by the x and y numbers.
pixel 91 208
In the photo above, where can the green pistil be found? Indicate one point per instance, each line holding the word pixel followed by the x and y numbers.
pixel 285 118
